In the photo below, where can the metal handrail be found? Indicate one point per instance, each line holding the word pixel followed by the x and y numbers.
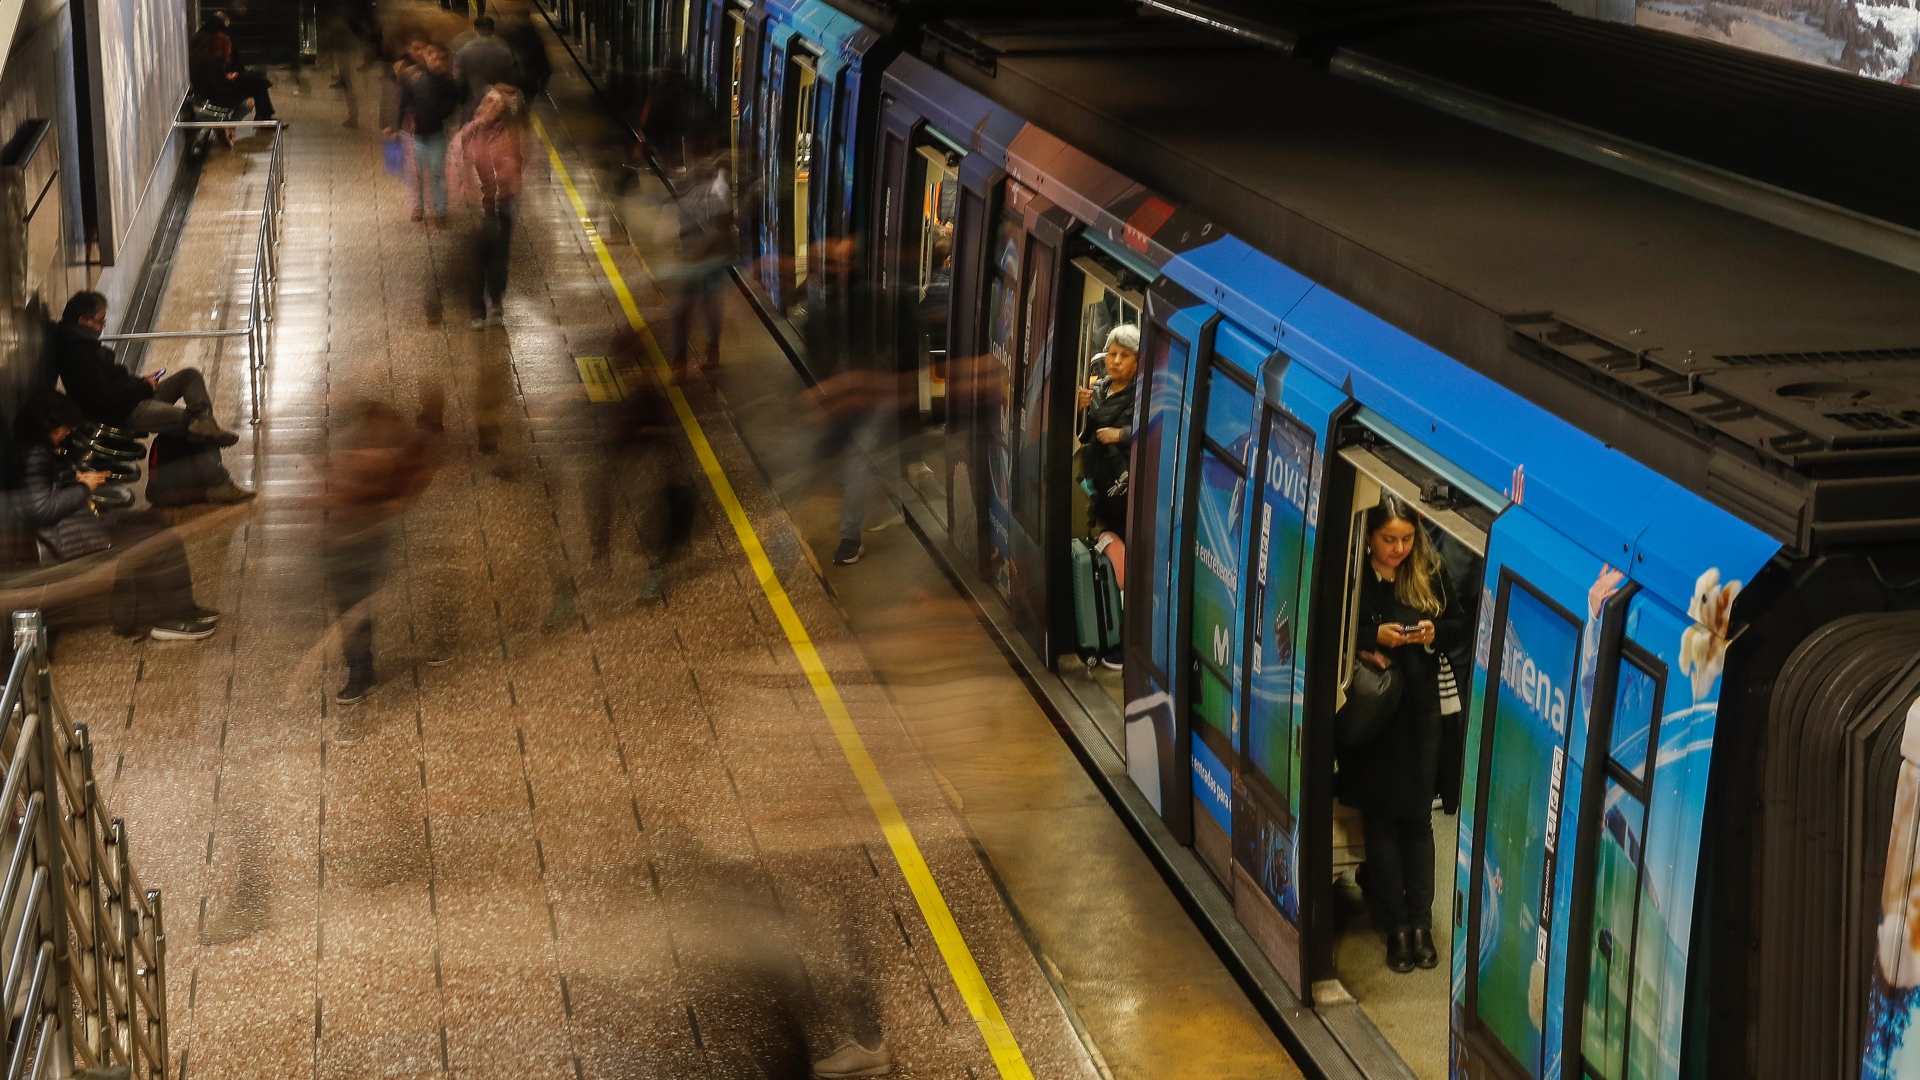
pixel 266 266
pixel 85 960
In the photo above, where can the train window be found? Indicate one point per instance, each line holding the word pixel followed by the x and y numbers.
pixel 1031 383
pixel 1538 647
pixel 927 312
pixel 1613 1046
pixel 805 81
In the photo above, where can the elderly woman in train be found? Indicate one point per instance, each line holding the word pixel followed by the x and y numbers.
pixel 1106 429
pixel 1412 615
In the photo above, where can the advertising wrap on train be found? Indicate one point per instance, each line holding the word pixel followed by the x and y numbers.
pixel 1892 1049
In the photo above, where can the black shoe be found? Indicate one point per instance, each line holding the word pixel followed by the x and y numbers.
pixel 1400 951
pixel 1113 661
pixel 848 553
pixel 1424 954
pixel 205 616
pixel 358 683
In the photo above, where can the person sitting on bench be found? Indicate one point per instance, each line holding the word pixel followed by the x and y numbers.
pixel 107 393
pixel 153 584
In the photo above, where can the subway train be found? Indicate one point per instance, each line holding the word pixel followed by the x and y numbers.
pixel 1654 392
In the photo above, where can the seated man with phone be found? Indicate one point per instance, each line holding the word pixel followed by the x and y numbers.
pixel 109 394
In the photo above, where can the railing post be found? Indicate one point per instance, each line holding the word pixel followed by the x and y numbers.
pixel 29 630
pixel 92 1031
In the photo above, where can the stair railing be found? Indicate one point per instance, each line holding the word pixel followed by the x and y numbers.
pixel 82 944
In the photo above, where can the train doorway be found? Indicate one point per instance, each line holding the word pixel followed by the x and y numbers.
pixel 1377 877
pixel 736 46
pixel 802 83
pixel 935 180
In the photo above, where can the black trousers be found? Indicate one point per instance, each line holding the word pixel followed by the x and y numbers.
pixel 152 584
pixel 1399 869
pixel 492 244
pixel 354 571
pixel 235 91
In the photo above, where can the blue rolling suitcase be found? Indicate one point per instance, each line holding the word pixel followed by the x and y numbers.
pixel 1096 602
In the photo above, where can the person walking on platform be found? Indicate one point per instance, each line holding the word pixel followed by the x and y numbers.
pixel 1409 614
pixel 429 95
pixel 378 468
pixel 532 66
pixel 639 439
pixel 153 583
pixel 213 74
pixel 854 390
pixel 488 161
pixel 175 405
pixel 481 63
pixel 708 245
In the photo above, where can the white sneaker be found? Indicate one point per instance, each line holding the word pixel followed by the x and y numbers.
pixel 852 1059
pixel 496 317
pixel 477 323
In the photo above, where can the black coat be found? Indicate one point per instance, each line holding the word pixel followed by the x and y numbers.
pixel 428 100
pixel 1104 465
pixel 104 389
pixel 1397 772
pixel 51 501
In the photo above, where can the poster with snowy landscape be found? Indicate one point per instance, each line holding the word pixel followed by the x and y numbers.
pixel 1877 40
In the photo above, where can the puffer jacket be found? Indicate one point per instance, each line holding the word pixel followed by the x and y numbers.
pixel 51 501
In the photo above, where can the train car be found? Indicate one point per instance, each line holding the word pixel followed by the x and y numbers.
pixel 1670 451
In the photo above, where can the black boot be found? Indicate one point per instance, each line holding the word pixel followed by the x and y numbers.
pixel 1424 954
pixel 1400 950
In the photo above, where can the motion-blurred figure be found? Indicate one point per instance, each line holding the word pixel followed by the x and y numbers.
pixel 674 111
pixel 378 465
pixel 481 63
pixel 641 462
pixel 854 394
pixel 708 244
pixel 487 162
pixel 215 76
pixel 532 66
pixel 429 95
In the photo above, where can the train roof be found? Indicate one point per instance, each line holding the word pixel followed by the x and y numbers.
pixel 1771 372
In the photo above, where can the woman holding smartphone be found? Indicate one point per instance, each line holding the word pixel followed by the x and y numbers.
pixel 1411 615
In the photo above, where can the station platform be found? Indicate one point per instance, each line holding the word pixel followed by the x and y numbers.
pixel 604 838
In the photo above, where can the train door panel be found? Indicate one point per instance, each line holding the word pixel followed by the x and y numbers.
pixel 1223 457
pixel 1155 732
pixel 972 408
pixel 1266 794
pixel 1539 618
pixel 1656 706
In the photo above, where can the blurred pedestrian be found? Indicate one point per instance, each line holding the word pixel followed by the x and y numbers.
pixel 214 74
pixel 153 583
pixel 481 63
pixel 532 66
pixel 376 469
pixel 488 160
pixel 708 247
pixel 641 461
pixel 429 95
pixel 854 392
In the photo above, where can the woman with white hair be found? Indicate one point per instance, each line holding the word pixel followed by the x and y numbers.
pixel 1106 430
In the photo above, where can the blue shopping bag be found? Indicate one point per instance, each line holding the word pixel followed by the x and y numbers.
pixel 396 156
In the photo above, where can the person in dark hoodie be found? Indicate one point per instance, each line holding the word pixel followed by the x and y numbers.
pixel 429 96
pixel 153 584
pixel 212 73
pixel 107 393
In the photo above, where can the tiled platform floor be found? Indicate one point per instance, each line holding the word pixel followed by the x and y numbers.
pixel 557 855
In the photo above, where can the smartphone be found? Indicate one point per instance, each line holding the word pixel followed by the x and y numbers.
pixel 156 375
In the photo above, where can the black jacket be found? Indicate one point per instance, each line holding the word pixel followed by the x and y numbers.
pixel 1398 771
pixel 52 502
pixel 1104 465
pixel 428 99
pixel 104 389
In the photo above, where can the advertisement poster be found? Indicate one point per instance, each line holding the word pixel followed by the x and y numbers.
pixel 1893 1042
pixel 1276 681
pixel 1878 41
pixel 1538 653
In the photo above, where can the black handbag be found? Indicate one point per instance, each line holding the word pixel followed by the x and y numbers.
pixel 1372 696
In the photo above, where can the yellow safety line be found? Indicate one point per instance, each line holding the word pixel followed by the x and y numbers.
pixel 933 906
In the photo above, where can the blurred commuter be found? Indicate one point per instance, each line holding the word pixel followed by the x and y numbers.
pixel 674 111
pixel 641 463
pixel 854 391
pixel 481 63
pixel 1106 430
pixel 708 244
pixel 175 405
pixel 488 158
pixel 153 584
pixel 343 27
pixel 214 75
pixel 429 95
pixel 375 470
pixel 532 66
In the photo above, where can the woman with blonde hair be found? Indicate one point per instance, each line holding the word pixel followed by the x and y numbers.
pixel 484 168
pixel 1411 615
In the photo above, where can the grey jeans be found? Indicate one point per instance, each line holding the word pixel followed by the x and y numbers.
pixel 178 400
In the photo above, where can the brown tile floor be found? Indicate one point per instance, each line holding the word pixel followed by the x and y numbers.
pixel 576 850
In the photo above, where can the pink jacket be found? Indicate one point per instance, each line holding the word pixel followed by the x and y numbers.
pixel 484 163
